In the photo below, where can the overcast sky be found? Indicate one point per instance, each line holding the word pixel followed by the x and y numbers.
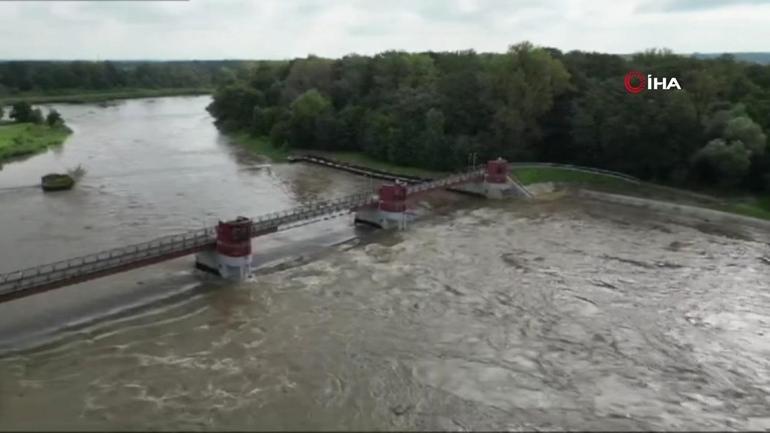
pixel 216 29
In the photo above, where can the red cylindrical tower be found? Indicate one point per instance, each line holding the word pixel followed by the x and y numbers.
pixel 497 171
pixel 392 197
pixel 234 237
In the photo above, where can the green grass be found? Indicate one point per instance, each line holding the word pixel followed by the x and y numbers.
pixel 756 207
pixel 86 96
pixel 261 146
pixel 531 175
pixel 752 206
pixel 25 139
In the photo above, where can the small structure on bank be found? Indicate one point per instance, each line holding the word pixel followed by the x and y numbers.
pixel 57 182
pixel 498 183
pixel 62 182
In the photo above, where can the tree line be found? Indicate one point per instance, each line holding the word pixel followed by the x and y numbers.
pixel 434 109
pixel 52 76
pixel 23 112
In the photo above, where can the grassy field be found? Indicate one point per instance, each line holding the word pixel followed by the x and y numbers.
pixel 85 96
pixel 757 207
pixel 25 138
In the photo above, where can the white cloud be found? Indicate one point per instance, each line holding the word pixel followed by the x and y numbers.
pixel 210 29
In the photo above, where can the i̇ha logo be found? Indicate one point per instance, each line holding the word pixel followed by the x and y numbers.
pixel 636 82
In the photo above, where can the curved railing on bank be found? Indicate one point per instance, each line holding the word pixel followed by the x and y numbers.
pixel 591 170
pixel 618 175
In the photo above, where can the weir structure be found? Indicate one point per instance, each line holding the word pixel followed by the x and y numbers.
pixel 226 249
pixel 497 183
pixel 389 211
pixel 231 257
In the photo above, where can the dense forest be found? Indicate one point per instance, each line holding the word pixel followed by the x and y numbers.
pixel 47 77
pixel 434 109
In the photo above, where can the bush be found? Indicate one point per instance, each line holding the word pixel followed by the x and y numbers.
pixel 37 116
pixel 21 112
pixel 722 162
pixel 53 118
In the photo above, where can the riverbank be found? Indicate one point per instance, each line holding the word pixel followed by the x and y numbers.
pixel 756 207
pixel 21 139
pixel 263 146
pixel 83 96
pixel 748 205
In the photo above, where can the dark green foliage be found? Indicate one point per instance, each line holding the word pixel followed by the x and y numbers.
pixel 722 161
pixel 22 112
pixel 422 109
pixel 37 116
pixel 53 118
pixel 51 77
pixel 433 110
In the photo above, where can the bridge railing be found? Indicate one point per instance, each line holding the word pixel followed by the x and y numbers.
pixel 311 210
pixel 169 244
pixel 104 260
pixel 116 258
pixel 446 181
pixel 581 168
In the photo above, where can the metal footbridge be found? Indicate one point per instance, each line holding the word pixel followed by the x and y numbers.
pixel 41 278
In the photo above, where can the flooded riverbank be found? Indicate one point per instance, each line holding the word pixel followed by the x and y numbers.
pixel 548 315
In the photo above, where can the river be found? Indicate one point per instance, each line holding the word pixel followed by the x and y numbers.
pixel 515 316
pixel 154 167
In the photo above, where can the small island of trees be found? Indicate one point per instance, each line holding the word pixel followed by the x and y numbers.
pixel 28 130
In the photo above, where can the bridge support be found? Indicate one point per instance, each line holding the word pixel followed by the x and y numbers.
pixel 497 183
pixel 231 258
pixel 390 211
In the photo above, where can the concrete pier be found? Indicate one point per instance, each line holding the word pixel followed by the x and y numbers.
pixel 231 257
pixel 497 183
pixel 390 210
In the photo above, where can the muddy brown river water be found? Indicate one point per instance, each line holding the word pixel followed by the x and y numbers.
pixel 559 314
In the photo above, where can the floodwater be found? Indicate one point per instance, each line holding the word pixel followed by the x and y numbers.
pixel 496 316
pixel 154 167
